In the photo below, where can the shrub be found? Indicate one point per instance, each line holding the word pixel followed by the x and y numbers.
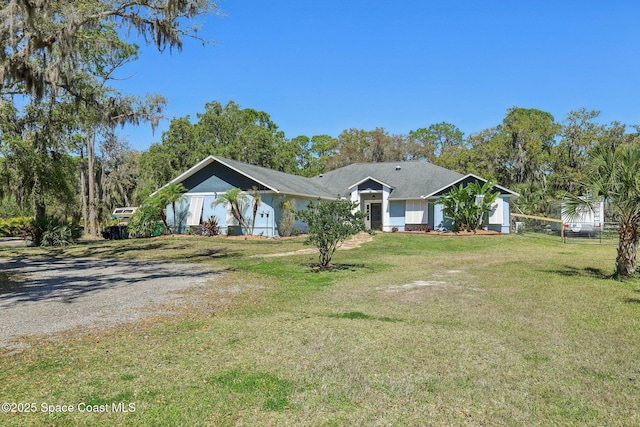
pixel 468 207
pixel 145 222
pixel 13 227
pixel 210 227
pixel 52 231
pixel 331 223
pixel 287 218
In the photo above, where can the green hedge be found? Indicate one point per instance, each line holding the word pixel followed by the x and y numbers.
pixel 14 227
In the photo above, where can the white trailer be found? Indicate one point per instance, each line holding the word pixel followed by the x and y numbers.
pixel 586 221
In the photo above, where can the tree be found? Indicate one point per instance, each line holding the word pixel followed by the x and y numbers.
pixel 43 41
pixel 323 148
pixel 34 145
pixel 302 148
pixel 229 131
pixel 578 135
pixel 170 195
pixel 313 154
pixel 468 207
pixel 613 176
pixel 255 205
pixel 351 147
pixel 533 199
pixel 436 144
pixel 119 174
pixel 246 135
pixel 359 145
pixel 235 200
pixel 101 108
pixel 528 135
pixel 329 224
pixel 57 51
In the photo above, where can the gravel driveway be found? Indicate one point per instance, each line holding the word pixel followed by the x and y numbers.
pixel 54 295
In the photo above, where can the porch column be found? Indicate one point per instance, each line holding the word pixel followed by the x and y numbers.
pixel 355 197
pixel 386 215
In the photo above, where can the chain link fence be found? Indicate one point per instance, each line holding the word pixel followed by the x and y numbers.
pixel 575 232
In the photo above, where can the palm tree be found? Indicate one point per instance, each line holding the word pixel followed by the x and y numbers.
pixel 614 177
pixel 235 200
pixel 170 195
pixel 257 199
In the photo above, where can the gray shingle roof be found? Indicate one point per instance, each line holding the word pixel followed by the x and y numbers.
pixel 410 180
pixel 281 181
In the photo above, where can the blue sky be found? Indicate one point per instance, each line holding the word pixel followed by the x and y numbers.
pixel 319 67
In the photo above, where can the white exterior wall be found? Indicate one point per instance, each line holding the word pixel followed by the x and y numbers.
pixel 386 217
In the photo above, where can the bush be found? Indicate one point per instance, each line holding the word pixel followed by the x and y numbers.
pixel 287 218
pixel 52 231
pixel 14 227
pixel 468 207
pixel 210 227
pixel 331 223
pixel 145 222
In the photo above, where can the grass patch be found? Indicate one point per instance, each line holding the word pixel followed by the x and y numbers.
pixel 268 391
pixel 358 315
pixel 499 330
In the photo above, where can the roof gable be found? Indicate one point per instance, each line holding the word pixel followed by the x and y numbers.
pixel 469 178
pixel 206 176
pixel 367 179
pixel 218 177
pixel 408 180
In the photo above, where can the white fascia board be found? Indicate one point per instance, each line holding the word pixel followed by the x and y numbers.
pixel 367 179
pixel 470 175
pixel 502 189
pixel 202 164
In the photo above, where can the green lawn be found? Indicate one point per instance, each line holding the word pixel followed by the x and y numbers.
pixel 409 330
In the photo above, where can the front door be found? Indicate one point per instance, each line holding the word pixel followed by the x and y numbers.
pixel 373 219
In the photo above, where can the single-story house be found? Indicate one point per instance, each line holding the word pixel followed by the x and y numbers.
pixel 395 195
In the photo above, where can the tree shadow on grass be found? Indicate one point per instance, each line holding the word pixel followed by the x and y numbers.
pixel 67 279
pixel 317 268
pixel 351 315
pixel 571 271
pixel 129 250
